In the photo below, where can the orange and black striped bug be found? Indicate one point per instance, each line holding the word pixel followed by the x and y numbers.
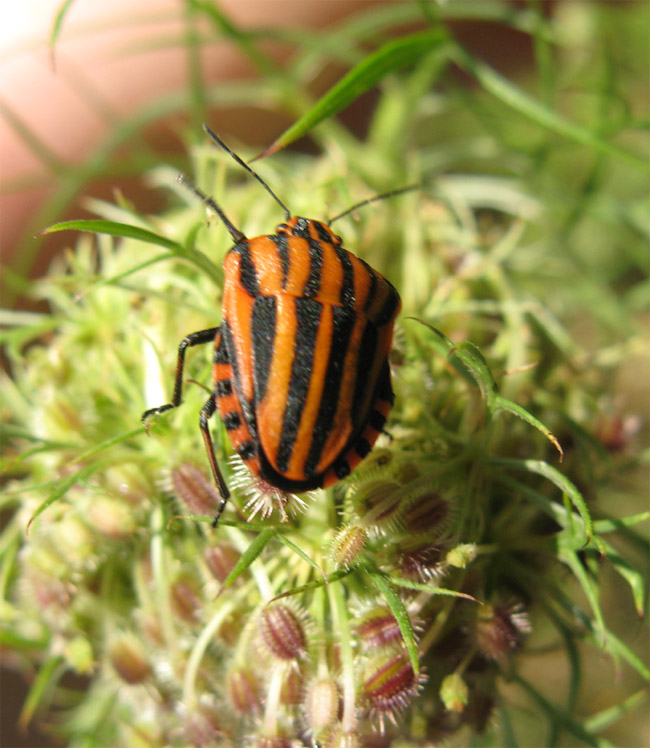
pixel 300 368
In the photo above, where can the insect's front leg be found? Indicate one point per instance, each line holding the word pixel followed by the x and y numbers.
pixel 194 338
pixel 206 413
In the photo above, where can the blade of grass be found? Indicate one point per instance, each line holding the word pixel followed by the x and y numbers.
pixel 401 615
pixel 561 481
pixel 46 678
pixel 513 96
pixel 603 719
pixel 570 558
pixel 113 228
pixel 501 403
pixel 316 584
pixel 125 230
pixel 392 56
pixel 632 576
pixel 249 555
pixel 65 484
pixel 57 25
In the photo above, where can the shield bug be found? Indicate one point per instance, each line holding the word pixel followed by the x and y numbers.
pixel 300 367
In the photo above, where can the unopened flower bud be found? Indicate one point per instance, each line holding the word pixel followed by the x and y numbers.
pixel 340 739
pixel 378 628
pixel 347 545
pixel 499 629
pixel 221 560
pixel 283 632
pixel 321 704
pixel 127 656
pixel 462 555
pixel 185 601
pixel 454 692
pixel 194 490
pixel 389 684
pixel 243 691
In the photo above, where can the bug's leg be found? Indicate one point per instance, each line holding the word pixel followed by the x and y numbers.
pixel 206 413
pixel 195 338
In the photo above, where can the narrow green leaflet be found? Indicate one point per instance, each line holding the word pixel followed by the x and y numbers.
pixel 602 720
pixel 299 552
pixel 66 483
pixel 557 715
pixel 249 555
pixel 468 361
pixel 501 403
pixel 561 481
pixel 569 557
pixel 515 97
pixel 393 55
pixel 115 228
pixel 614 525
pixel 84 456
pixel 622 650
pixel 474 361
pixel 57 26
pixel 401 616
pixel 49 673
pixel 632 576
pixel 330 579
pixel 432 589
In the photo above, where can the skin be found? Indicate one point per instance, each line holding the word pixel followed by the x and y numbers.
pixel 108 65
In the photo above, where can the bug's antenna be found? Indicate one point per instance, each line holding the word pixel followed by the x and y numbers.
pixel 369 200
pixel 211 203
pixel 220 142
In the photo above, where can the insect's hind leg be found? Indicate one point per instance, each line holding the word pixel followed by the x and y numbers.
pixel 195 338
pixel 206 413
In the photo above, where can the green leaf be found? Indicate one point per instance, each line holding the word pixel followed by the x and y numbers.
pixel 337 576
pixel 432 589
pixel 515 97
pixel 607 717
pixel 46 678
pixel 401 616
pixel 465 357
pixel 84 456
pixel 57 26
pixel 64 484
pixel 249 555
pixel 474 362
pixel 623 650
pixel 392 56
pixel 561 481
pixel 304 556
pixel 501 403
pixel 557 715
pixel 128 231
pixel 613 525
pixel 113 228
pixel 632 576
pixel 569 557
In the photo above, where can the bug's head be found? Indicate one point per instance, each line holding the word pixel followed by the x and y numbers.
pixel 309 228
